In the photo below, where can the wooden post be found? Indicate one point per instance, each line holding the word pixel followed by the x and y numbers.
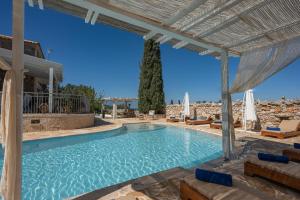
pixel 227 119
pixel 18 67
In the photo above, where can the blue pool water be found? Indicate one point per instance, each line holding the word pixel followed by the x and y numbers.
pixel 58 168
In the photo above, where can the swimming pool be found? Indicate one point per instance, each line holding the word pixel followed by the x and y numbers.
pixel 58 168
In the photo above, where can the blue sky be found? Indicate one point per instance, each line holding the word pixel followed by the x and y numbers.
pixel 108 59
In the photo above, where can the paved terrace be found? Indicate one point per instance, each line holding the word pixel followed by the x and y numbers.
pixel 165 185
pixel 109 124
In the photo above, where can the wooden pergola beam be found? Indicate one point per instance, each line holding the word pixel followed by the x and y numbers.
pixel 149 35
pixel 139 21
pixel 205 52
pixel 228 22
pixel 181 13
pixel 262 34
pixel 180 45
pixel 166 39
pixel 212 13
pixel 121 99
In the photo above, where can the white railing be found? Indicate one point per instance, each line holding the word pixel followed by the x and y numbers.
pixel 34 102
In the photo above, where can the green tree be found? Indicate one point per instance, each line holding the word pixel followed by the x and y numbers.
pixel 93 97
pixel 151 93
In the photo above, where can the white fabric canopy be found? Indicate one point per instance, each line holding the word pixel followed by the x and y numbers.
pixel 260 64
pixel 8 133
pixel 186 105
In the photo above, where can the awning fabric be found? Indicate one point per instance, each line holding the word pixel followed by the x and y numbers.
pixel 8 133
pixel 260 64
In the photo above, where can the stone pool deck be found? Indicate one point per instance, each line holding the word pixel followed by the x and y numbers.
pixel 101 126
pixel 239 133
pixel 109 124
pixel 165 185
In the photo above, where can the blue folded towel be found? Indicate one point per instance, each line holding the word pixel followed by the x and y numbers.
pixel 273 129
pixel 297 145
pixel 214 177
pixel 273 158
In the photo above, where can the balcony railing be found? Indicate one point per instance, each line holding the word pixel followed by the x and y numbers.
pixel 54 103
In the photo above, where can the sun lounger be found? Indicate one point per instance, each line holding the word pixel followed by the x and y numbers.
pixel 292 154
pixel 287 128
pixel 285 174
pixel 173 120
pixel 152 115
pixel 194 189
pixel 141 116
pixel 218 125
pixel 208 120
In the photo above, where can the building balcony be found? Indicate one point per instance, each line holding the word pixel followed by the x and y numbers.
pixel 59 103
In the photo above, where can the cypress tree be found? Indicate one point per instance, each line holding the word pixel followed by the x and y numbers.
pixel 157 85
pixel 151 94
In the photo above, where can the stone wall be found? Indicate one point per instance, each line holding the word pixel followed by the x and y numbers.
pixel 269 113
pixel 53 122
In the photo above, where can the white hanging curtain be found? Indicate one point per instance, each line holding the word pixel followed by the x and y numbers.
pixel 259 64
pixel 186 105
pixel 8 134
pixel 249 112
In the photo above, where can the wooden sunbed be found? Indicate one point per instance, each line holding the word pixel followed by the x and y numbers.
pixel 288 128
pixel 193 189
pixel 199 122
pixel 292 154
pixel 236 124
pixel 141 117
pixel 285 174
pixel 173 120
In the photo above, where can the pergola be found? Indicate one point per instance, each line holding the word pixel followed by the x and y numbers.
pixel 265 33
pixel 115 100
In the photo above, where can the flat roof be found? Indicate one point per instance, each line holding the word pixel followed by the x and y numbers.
pixel 37 67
